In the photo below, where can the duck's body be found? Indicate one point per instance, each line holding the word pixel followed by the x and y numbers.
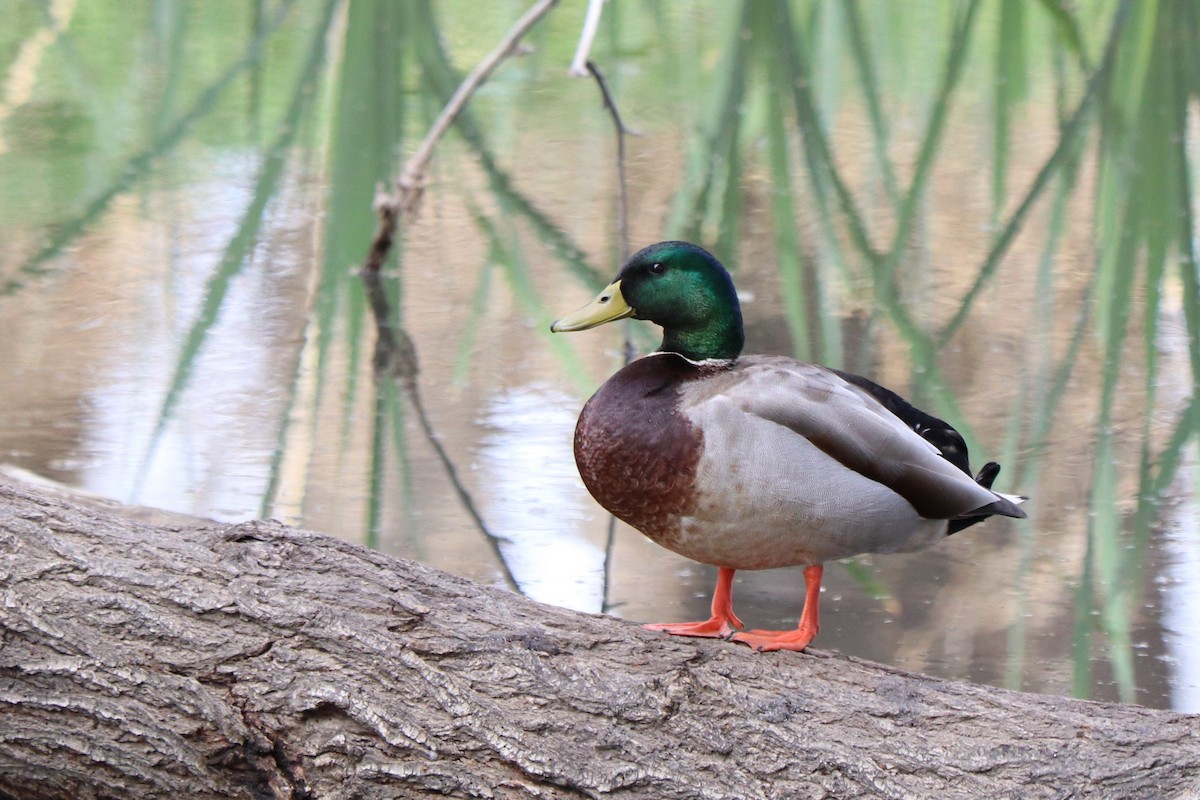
pixel 763 462
pixel 755 462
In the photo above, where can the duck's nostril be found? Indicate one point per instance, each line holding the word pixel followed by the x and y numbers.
pixel 604 299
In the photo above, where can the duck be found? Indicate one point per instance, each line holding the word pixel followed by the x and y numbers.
pixel 753 462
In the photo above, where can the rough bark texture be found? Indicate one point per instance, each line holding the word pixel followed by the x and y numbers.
pixel 258 661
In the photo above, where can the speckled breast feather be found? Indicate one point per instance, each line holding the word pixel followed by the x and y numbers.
pixel 637 454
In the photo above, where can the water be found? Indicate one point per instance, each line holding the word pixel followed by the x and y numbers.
pixel 183 326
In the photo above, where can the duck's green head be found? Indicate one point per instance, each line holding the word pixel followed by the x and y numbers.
pixel 679 286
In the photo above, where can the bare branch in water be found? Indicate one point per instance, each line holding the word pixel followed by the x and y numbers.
pixel 395 353
pixel 622 185
pixel 396 359
pixel 407 193
pixel 623 248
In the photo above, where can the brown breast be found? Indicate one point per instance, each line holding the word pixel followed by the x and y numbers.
pixel 636 451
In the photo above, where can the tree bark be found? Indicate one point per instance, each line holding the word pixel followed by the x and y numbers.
pixel 145 660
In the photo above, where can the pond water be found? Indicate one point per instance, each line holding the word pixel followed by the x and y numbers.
pixel 981 205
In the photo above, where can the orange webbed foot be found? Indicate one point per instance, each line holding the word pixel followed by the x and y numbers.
pixel 713 627
pixel 798 638
pixel 766 641
pixel 721 625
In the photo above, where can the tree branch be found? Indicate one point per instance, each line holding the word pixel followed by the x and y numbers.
pixel 610 104
pixel 591 23
pixel 395 352
pixel 410 183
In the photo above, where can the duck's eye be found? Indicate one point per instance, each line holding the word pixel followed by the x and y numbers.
pixel 658 268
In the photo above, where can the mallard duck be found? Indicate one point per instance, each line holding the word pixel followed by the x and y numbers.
pixel 758 462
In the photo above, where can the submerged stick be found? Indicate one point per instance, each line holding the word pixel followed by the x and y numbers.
pixel 396 358
pixel 622 184
pixel 395 353
pixel 623 249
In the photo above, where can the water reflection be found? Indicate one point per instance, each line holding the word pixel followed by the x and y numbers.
pixel 535 497
pixel 1179 585
pixel 210 455
pixel 133 203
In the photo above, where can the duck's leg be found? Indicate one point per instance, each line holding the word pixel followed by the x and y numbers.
pixel 723 621
pixel 799 638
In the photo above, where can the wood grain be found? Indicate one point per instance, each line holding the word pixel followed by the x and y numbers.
pixel 259 661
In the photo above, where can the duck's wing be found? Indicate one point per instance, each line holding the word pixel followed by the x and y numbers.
pixel 853 427
pixel 937 432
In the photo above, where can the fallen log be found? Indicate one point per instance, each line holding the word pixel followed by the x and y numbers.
pixel 143 660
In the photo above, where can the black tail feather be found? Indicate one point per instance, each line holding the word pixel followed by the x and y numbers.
pixel 985 478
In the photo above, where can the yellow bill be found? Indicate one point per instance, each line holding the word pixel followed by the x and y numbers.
pixel 609 305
